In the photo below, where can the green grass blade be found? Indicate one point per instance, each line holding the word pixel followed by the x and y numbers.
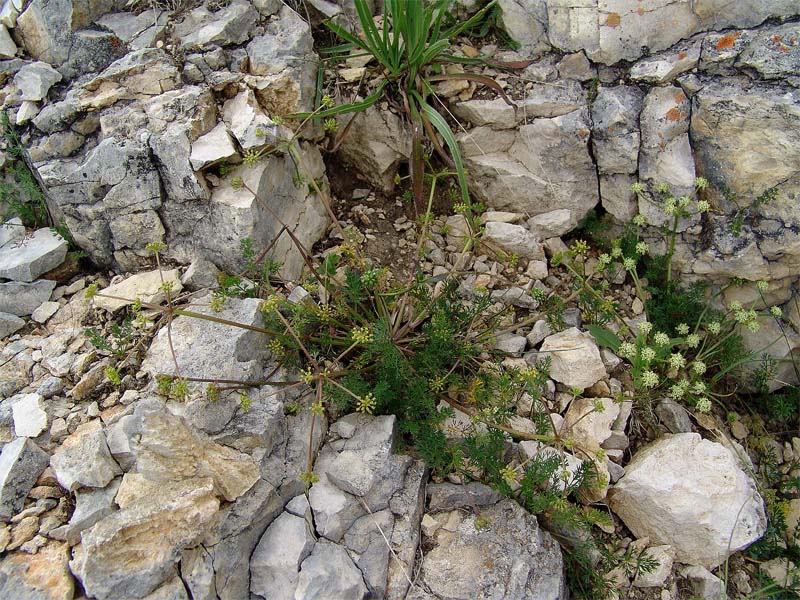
pixel 350 107
pixel 444 130
pixel 469 23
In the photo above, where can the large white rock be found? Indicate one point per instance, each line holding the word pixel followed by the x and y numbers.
pixel 146 287
pixel 575 358
pixel 25 261
pixel 513 238
pixel 29 416
pixel 692 494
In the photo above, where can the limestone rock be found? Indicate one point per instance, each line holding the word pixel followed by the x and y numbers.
pixel 8 49
pixel 525 560
pixel 588 422
pixel 54 32
pixel 121 173
pixel 275 564
pixel 12 231
pixel 666 66
pixel 526 24
pixel 248 123
pixel 36 254
pixel 514 239
pixel 665 155
pixel 376 145
pixel 330 573
pixel 91 505
pixel 664 496
pixel 132 551
pixel 30 419
pixel 664 556
pixel 758 152
pixel 83 459
pixel 41 576
pixel 9 324
pixel 138 31
pixel 146 287
pixel 547 167
pixel 214 147
pixel 199 346
pixel 576 360
pixel 232 24
pixel 234 213
pixel 542 100
pixel 167 448
pixel 286 43
pixel 22 299
pixel 35 80
pixel 21 463
pixel 615 113
pixel 449 496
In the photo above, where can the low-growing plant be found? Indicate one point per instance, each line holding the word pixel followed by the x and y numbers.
pixel 412 45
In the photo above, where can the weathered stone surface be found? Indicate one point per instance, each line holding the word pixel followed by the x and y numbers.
pixel 275 564
pixel 234 213
pixel 83 459
pixel 12 231
pixel 9 324
pixel 666 66
pixel 588 422
pixel 146 287
pixel 214 147
pixel 615 114
pixel 376 145
pixel 132 551
pixel 138 31
pixel 664 496
pixel 526 561
pixel 665 155
pixel 526 24
pixel 30 420
pixel 542 100
pixel 547 167
pixel 21 463
pixel 8 49
pixel 167 448
pixel 286 43
pixel 53 32
pixel 575 358
pixel 664 557
pixel 330 573
pixel 113 180
pixel 514 239
pixel 449 496
pixel 91 505
pixel 232 24
pixel 248 123
pixel 35 80
pixel 36 254
pixel 41 576
pixel 22 299
pixel 748 140
pixel 199 346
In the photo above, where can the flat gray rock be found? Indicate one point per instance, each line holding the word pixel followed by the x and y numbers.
pixel 29 258
pixel 83 460
pixel 9 324
pixel 35 80
pixel 21 299
pixel 21 463
pixel 525 561
pixel 330 573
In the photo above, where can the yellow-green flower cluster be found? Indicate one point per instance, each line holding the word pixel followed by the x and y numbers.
pixel 362 335
pixel 366 404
